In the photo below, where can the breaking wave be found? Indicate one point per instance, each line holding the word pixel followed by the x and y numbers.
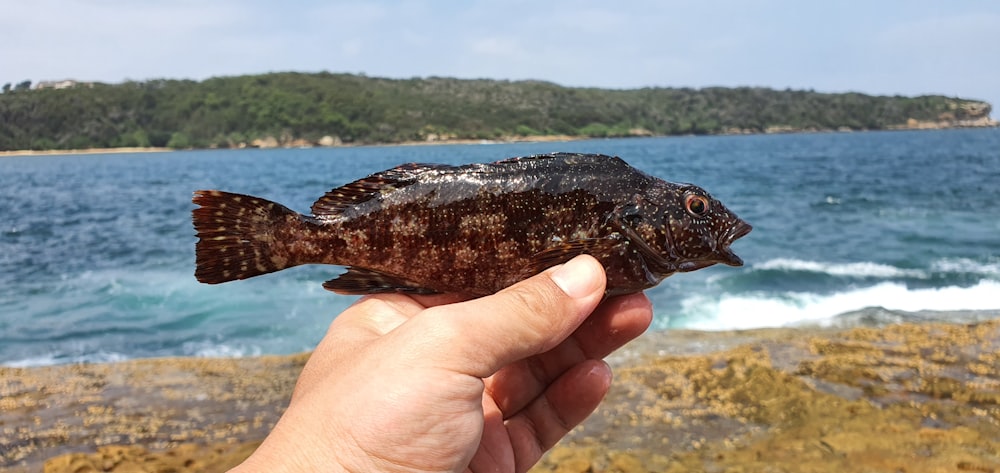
pixel 748 311
pixel 867 269
pixel 861 269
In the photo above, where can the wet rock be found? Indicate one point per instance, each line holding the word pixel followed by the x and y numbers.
pixel 908 397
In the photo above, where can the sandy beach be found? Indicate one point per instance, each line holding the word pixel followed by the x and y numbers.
pixel 60 152
pixel 443 141
pixel 914 398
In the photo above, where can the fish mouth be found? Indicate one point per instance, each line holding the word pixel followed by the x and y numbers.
pixel 689 266
pixel 726 255
pixel 737 232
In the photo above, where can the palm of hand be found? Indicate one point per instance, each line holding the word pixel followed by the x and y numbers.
pixel 421 387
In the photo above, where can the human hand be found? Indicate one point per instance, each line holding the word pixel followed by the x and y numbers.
pixel 401 383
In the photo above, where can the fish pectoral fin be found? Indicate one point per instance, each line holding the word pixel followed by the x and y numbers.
pixel 563 252
pixel 358 281
pixel 653 259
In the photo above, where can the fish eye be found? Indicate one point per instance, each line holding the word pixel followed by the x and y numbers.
pixel 696 205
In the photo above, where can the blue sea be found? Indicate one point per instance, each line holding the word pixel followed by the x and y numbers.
pixel 97 251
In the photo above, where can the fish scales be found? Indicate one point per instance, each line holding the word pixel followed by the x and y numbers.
pixel 474 229
pixel 466 236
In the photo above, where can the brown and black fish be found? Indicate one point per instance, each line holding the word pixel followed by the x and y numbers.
pixel 474 229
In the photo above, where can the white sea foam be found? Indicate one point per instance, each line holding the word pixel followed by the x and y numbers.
pixel 966 265
pixel 223 351
pixel 857 269
pixel 50 359
pixel 747 311
pixel 867 269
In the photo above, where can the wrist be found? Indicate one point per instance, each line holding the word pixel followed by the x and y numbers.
pixel 290 452
pixel 285 462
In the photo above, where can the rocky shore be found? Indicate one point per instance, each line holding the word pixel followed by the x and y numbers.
pixel 909 397
pixel 270 142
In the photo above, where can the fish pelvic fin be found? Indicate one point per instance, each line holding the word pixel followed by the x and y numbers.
pixel 238 236
pixel 359 281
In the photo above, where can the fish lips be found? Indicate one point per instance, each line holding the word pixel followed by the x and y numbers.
pixel 724 255
pixel 727 256
pixel 739 231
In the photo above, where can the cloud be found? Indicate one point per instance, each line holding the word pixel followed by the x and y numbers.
pixel 114 40
pixel 917 46
pixel 352 47
pixel 507 48
pixel 958 40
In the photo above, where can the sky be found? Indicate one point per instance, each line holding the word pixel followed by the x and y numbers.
pixel 888 47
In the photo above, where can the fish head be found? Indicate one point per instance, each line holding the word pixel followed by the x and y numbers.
pixel 689 228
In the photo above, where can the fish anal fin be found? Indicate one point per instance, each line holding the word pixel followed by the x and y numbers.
pixel 363 190
pixel 358 281
pixel 565 251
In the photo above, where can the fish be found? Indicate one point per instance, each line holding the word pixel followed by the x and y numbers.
pixel 473 229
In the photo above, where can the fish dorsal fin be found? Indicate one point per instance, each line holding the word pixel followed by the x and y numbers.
pixel 378 184
pixel 566 157
pixel 358 281
pixel 563 252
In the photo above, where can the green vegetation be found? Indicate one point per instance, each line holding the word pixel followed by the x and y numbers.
pixel 290 108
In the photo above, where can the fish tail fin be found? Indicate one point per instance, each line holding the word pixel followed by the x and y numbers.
pixel 237 236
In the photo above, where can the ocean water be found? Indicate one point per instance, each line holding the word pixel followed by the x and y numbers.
pixel 97 252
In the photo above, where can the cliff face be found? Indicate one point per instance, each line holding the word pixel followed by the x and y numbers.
pixel 959 115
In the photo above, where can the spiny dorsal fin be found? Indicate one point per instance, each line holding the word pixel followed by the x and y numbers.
pixel 363 190
pixel 569 158
pixel 358 281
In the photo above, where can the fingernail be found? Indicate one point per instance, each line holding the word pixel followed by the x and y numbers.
pixel 601 370
pixel 576 278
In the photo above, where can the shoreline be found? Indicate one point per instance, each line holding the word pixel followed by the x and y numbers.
pixel 874 318
pixel 458 141
pixel 919 126
pixel 69 152
pixel 682 400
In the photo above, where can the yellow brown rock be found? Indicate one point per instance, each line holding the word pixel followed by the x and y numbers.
pixel 913 398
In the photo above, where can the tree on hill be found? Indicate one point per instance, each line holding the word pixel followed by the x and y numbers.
pixel 288 108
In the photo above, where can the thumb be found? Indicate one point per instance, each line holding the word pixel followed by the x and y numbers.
pixel 480 336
